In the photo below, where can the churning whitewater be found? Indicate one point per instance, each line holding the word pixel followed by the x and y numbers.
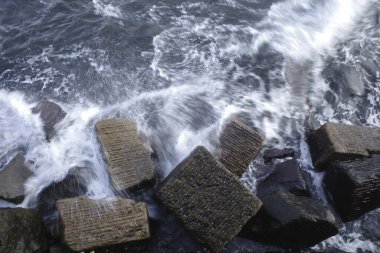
pixel 180 69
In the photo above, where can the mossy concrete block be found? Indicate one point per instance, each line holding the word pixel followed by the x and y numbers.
pixel 88 224
pixel 336 142
pixel 239 145
pixel 208 199
pixel 129 162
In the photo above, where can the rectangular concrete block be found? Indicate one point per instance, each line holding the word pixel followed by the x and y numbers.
pixel 129 162
pixel 333 142
pixel 354 186
pixel 88 224
pixel 239 145
pixel 208 199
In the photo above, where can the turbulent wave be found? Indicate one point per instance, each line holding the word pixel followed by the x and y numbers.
pixel 180 70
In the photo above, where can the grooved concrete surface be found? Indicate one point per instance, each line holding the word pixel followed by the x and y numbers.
pixel 239 145
pixel 87 223
pixel 208 199
pixel 129 162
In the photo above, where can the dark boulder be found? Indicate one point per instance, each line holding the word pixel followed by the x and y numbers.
pixel 129 162
pixel 354 186
pixel 208 199
pixel 337 142
pixel 239 145
pixel 292 221
pixel 50 114
pixel 286 176
pixel 275 153
pixel 13 178
pixel 22 231
pixel 243 245
pixel 88 224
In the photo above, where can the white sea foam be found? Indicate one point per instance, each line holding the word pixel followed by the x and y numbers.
pixel 106 10
pixel 200 60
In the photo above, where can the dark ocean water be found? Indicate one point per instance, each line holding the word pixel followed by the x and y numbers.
pixel 180 69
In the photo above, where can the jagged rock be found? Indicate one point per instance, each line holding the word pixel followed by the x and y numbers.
pixel 208 199
pixel 87 224
pixel 333 142
pixel 275 153
pixel 239 145
pixel 51 114
pixel 22 231
pixel 129 162
pixel 287 176
pixel 354 186
pixel 12 179
pixel 291 221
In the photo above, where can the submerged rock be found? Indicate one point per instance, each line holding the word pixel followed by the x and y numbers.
pixel 129 162
pixel 239 146
pixel 336 142
pixel 275 153
pixel 286 176
pixel 22 231
pixel 291 221
pixel 13 178
pixel 354 186
pixel 51 114
pixel 87 224
pixel 346 79
pixel 208 199
pixel 370 225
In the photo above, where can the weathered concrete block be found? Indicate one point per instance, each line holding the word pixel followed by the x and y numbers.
pixel 354 186
pixel 51 114
pixel 275 153
pixel 208 199
pixel 239 146
pixel 129 162
pixel 292 221
pixel 286 177
pixel 22 231
pixel 12 179
pixel 333 142
pixel 87 224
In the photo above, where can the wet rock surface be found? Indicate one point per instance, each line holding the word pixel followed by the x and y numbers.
pixel 208 199
pixel 337 142
pixel 87 224
pixel 286 177
pixel 13 178
pixel 292 221
pixel 275 153
pixel 22 231
pixel 129 162
pixel 354 186
pixel 370 225
pixel 72 185
pixel 50 114
pixel 239 145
